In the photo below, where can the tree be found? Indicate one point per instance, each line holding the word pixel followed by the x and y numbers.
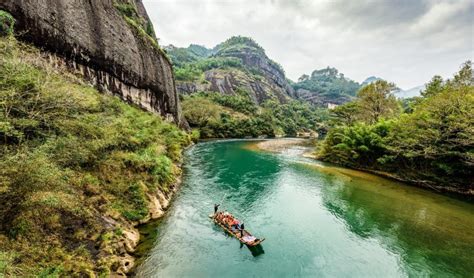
pixel 359 145
pixel 345 114
pixel 464 77
pixel 376 101
pixel 199 111
pixel 438 138
pixel 431 144
pixel 433 87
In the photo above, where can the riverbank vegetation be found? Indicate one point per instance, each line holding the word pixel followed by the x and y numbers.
pixel 236 116
pixel 429 142
pixel 76 170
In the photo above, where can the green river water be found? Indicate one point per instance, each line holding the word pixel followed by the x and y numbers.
pixel 318 221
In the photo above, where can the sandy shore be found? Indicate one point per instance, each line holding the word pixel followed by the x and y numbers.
pixel 281 144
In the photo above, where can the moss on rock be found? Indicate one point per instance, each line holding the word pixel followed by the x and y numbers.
pixel 7 23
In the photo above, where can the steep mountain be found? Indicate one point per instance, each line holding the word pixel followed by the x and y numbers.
pixel 237 65
pixel 80 169
pixel 325 86
pixel 111 43
pixel 234 90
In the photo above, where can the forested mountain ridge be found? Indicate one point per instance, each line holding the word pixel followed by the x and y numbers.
pixel 238 64
pixel 236 74
pixel 325 86
pixel 241 63
pixel 235 90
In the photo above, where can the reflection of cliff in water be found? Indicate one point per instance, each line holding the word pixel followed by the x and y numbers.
pixel 241 175
pixel 426 235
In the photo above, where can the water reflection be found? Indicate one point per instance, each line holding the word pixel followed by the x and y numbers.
pixel 318 222
pixel 426 235
pixel 254 250
pixel 238 174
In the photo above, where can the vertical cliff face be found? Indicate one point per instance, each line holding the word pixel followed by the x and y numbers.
pixel 105 42
pixel 274 75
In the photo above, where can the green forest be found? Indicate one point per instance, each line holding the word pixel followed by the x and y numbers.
pixel 237 116
pixel 428 140
pixel 329 83
pixel 191 62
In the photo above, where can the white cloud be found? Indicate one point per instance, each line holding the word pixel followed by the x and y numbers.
pixel 405 41
pixel 439 14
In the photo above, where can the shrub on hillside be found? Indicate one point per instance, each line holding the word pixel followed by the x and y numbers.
pixel 71 156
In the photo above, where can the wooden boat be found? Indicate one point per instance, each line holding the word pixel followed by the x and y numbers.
pixel 236 234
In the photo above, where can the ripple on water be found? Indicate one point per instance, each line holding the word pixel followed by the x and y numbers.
pixel 317 220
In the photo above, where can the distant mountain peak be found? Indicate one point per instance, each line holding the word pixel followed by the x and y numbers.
pixel 234 40
pixel 239 44
pixel 324 86
pixel 371 79
pixel 329 71
pixel 413 92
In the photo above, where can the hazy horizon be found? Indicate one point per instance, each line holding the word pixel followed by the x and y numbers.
pixel 406 42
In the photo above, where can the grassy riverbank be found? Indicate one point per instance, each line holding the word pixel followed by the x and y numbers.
pixel 79 169
pixel 306 147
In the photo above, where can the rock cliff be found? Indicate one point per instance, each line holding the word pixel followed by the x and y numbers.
pixel 110 42
pixel 236 64
pixel 254 57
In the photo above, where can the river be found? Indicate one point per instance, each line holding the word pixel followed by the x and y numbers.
pixel 318 221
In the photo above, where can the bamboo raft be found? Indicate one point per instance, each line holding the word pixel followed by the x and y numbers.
pixel 236 234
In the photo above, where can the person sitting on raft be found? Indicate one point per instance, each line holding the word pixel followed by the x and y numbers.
pixel 235 225
pixel 229 220
pixel 223 217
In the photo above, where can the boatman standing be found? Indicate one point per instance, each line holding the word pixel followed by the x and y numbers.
pixel 242 230
pixel 216 207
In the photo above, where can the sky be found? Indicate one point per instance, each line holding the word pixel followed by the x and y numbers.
pixel 404 41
